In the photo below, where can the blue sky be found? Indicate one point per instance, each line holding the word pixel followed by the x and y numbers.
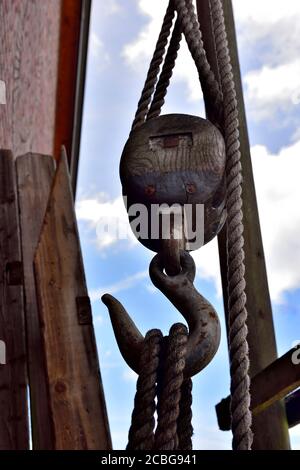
pixel 122 39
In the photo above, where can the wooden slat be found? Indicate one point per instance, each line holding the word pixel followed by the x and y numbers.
pixel 270 385
pixel 270 427
pixel 274 382
pixel 29 38
pixel 34 174
pixel 14 433
pixel 74 383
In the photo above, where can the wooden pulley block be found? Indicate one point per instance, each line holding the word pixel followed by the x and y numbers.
pixel 176 159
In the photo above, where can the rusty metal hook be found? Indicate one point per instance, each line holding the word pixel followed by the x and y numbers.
pixel 201 317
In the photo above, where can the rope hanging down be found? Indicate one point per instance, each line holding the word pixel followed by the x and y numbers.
pixel 238 345
pixel 174 415
pixel 162 378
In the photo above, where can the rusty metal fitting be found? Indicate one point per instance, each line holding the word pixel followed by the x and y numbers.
pixel 201 317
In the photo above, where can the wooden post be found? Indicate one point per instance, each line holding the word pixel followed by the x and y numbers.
pixel 270 427
pixel 35 174
pixel 14 434
pixel 74 384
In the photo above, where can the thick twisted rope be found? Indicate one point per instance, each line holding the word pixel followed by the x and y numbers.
pixel 141 433
pixel 152 76
pixel 166 436
pixel 184 422
pixel 166 73
pixel 191 29
pixel 188 24
pixel 238 346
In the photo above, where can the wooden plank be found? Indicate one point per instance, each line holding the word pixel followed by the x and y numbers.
pixel 274 382
pixel 70 21
pixel 39 64
pixel 34 175
pixel 29 38
pixel 14 434
pixel 270 385
pixel 74 383
pixel 270 427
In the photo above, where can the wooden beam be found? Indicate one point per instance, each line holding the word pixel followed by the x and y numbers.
pixel 35 174
pixel 14 433
pixel 270 427
pixel 29 38
pixel 75 389
pixel 80 88
pixel 72 60
pixel 270 385
pixel 274 382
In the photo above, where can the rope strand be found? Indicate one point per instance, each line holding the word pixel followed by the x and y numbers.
pixel 238 345
pixel 166 436
pixel 141 433
pixel 184 423
pixel 166 73
pixel 157 59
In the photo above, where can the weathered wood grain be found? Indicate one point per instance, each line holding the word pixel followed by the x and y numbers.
pixel 34 178
pixel 14 434
pixel 74 383
pixel 29 38
pixel 176 159
pixel 70 18
pixel 174 142
pixel 270 426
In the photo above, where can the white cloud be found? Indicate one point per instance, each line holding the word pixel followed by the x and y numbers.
pixel 278 191
pixel 259 23
pixel 129 375
pixel 266 12
pixel 107 218
pixel 138 53
pixel 274 32
pixel 102 10
pixel 126 283
pixel 98 320
pixel 273 89
pixel 208 265
pixel 267 23
pixel 98 52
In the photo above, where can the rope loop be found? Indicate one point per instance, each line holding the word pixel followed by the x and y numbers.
pixel 162 388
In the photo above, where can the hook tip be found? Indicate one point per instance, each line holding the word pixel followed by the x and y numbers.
pixel 107 299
